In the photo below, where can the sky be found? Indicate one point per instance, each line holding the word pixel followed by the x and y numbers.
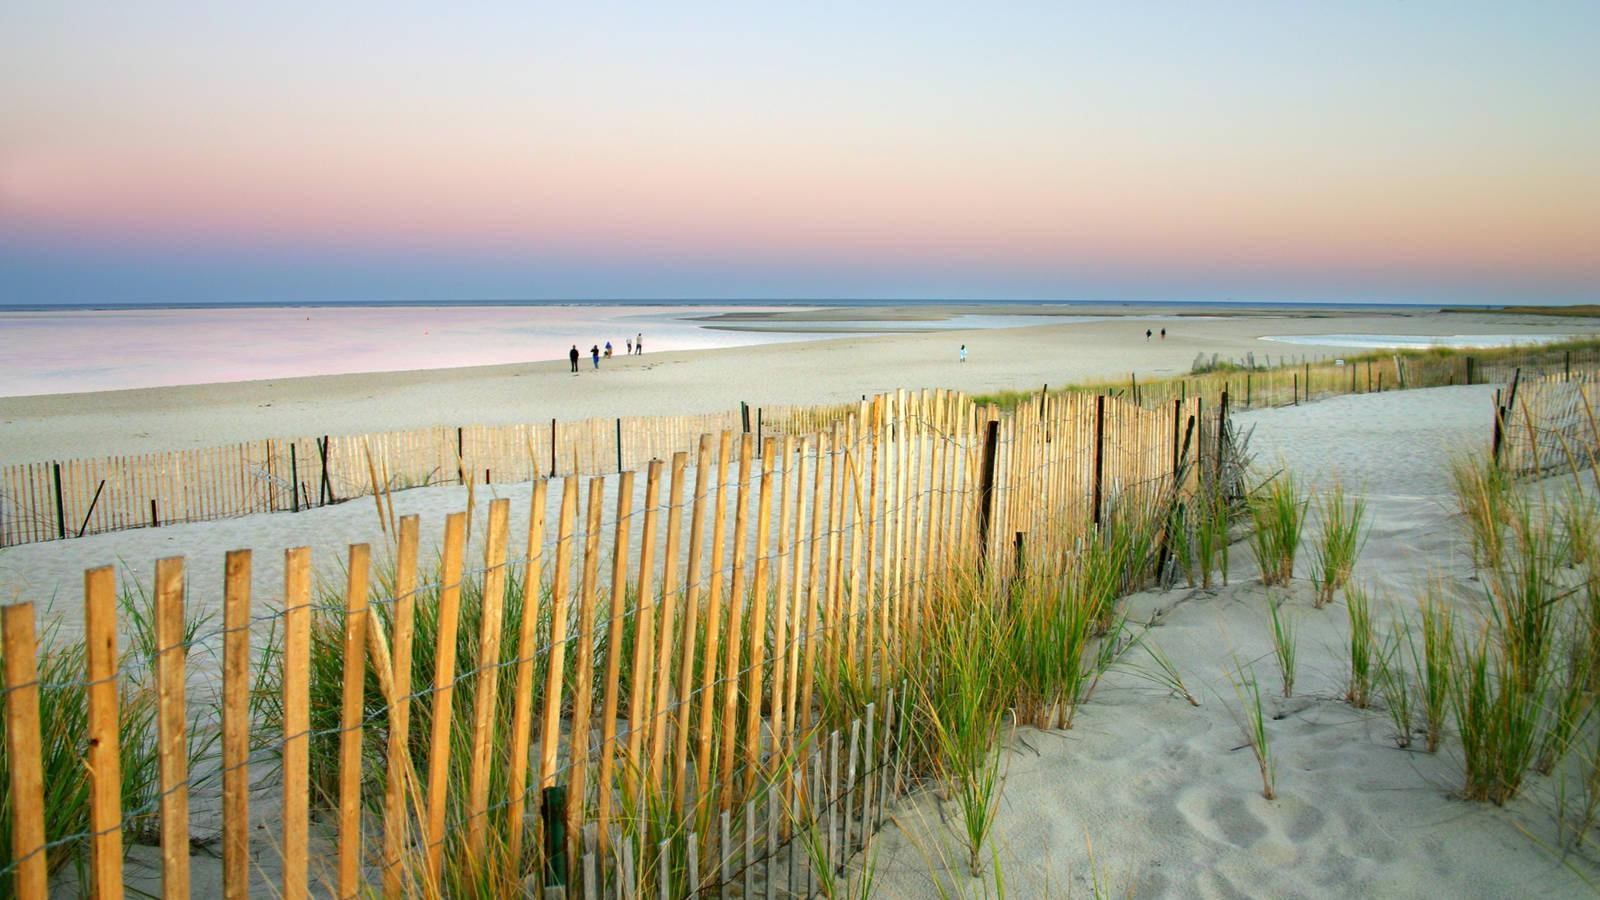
pixel 1418 151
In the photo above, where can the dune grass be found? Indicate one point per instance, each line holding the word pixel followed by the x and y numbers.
pixel 1483 495
pixel 1343 533
pixel 1277 514
pixel 1252 723
pixel 1283 642
pixel 1434 665
pixel 1395 684
pixel 1211 516
pixel 1363 647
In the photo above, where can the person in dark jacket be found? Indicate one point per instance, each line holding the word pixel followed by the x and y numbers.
pixel 594 352
pixel 573 356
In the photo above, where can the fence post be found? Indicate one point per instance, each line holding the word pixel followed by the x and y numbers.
pixel 1499 424
pixel 619 445
pixel 1222 432
pixel 1099 453
pixel 103 757
pixel 1177 417
pixel 552 448
pixel 61 513
pixel 553 809
pixel 294 479
pixel 1297 389
pixel 1566 365
pixel 991 441
pixel 744 415
pixel 23 747
pixel 461 456
pixel 155 521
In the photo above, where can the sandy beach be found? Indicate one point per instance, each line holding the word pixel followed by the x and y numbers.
pixel 835 370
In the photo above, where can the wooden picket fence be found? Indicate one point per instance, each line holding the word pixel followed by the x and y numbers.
pixel 68 498
pixel 709 715
pixel 1548 423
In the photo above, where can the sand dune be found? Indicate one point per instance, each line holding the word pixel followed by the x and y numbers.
pixel 1168 793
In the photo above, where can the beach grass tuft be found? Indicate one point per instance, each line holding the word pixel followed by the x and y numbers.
pixel 1283 642
pixel 1253 723
pixel 1343 532
pixel 1434 666
pixel 1363 647
pixel 1277 514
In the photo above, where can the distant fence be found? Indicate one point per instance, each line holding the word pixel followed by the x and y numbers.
pixel 671 728
pixel 1252 385
pixel 1548 423
pixel 68 498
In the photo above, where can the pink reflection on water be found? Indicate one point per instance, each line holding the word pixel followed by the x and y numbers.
pixel 97 350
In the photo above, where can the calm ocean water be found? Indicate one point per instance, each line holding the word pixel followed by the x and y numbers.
pixel 68 351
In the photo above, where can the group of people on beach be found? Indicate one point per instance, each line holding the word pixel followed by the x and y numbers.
pixel 635 348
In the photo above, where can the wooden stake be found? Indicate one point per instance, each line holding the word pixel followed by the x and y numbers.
pixel 614 630
pixel 758 620
pixel 487 681
pixel 355 671
pixel 400 778
pixel 583 673
pixel 641 683
pixel 555 672
pixel 444 685
pixel 669 602
pixel 30 879
pixel 104 756
pixel 712 625
pixel 734 643
pixel 172 715
pixel 691 610
pixel 236 725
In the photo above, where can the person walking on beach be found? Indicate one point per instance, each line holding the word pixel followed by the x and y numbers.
pixel 573 355
pixel 1147 334
pixel 963 352
pixel 1163 334
pixel 638 343
pixel 608 349
pixel 630 346
pixel 594 352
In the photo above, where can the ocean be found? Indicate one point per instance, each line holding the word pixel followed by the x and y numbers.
pixel 60 350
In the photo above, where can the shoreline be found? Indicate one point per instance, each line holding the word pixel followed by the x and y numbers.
pixel 833 370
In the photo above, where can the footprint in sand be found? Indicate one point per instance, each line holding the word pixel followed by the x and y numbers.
pixel 1225 820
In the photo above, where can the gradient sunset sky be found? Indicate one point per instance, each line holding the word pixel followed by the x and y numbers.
pixel 1429 152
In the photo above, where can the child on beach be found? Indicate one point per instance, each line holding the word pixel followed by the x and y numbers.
pixel 963 352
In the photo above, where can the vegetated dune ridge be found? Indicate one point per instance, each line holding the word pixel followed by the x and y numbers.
pixel 1150 796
